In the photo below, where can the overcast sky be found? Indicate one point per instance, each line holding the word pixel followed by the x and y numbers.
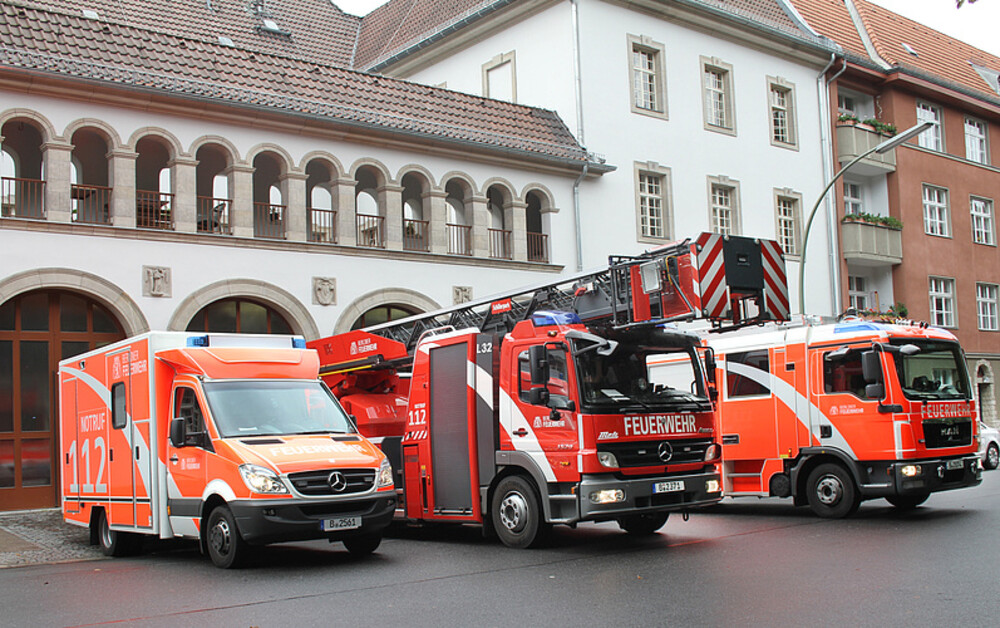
pixel 974 23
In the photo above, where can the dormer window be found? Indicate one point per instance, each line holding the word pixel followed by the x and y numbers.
pixel 91 14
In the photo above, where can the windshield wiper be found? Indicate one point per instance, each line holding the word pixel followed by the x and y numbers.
pixel 307 432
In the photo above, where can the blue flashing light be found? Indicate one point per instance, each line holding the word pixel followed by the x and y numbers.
pixel 548 318
pixel 298 343
pixel 846 328
pixel 197 341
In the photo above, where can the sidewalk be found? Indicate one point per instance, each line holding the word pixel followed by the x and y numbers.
pixel 32 537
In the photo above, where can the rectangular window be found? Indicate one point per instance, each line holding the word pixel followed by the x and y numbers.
pixel 936 211
pixel 722 209
pixel 717 95
pixel 748 374
pixel 932 138
pixel 647 76
pixel 857 292
pixel 981 210
pixel 852 199
pixel 651 205
pixel 975 141
pixel 500 77
pixel 788 217
pixel 119 407
pixel 847 104
pixel 844 374
pixel 782 106
pixel 942 295
pixel 986 304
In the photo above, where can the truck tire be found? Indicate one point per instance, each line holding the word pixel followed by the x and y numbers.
pixel 992 457
pixel 517 514
pixel 113 542
pixel 907 502
pixel 226 546
pixel 643 525
pixel 831 492
pixel 363 544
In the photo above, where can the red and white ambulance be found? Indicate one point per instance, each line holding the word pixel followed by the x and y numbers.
pixel 230 440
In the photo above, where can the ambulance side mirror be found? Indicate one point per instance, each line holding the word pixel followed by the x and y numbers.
pixel 178 432
pixel 538 362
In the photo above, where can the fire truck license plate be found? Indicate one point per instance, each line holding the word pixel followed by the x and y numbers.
pixel 341 523
pixel 954 464
pixel 668 487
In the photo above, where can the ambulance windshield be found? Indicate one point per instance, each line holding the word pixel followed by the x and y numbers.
pixel 276 407
pixel 937 371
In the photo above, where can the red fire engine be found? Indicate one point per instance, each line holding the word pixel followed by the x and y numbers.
pixel 535 408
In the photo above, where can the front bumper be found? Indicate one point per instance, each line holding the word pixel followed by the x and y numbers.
pixel 935 474
pixel 640 497
pixel 279 520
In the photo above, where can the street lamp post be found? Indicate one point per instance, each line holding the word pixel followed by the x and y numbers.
pixel 884 147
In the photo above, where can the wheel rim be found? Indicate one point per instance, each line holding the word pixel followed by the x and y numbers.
pixel 993 456
pixel 105 534
pixel 221 537
pixel 829 490
pixel 513 511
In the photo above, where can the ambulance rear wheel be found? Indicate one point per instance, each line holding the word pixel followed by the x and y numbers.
pixel 907 502
pixel 113 542
pixel 226 546
pixel 516 512
pixel 831 492
pixel 363 544
pixel 643 525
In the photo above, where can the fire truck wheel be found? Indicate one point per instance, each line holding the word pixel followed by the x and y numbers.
pixel 643 525
pixel 831 491
pixel 226 546
pixel 517 514
pixel 363 544
pixel 992 457
pixel 115 543
pixel 907 502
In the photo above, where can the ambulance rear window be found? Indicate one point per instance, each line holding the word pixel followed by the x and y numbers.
pixel 119 409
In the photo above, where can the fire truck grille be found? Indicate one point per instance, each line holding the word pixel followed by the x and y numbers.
pixel 649 454
pixel 943 433
pixel 325 482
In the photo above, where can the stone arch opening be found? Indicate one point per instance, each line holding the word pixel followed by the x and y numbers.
pixel 213 185
pixel 22 178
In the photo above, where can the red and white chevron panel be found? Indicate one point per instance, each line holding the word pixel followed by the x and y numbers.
pixel 775 279
pixel 712 270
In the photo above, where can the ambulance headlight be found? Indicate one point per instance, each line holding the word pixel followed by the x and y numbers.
pixel 607 459
pixel 385 474
pixel 609 496
pixel 261 480
pixel 910 470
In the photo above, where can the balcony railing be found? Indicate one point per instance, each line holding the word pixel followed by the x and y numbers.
pixel 415 235
pixel 872 245
pixel 322 225
pixel 153 210
pixel 538 247
pixel 22 198
pixel 90 204
pixel 459 239
pixel 268 220
pixel 370 231
pixel 855 140
pixel 499 244
pixel 213 215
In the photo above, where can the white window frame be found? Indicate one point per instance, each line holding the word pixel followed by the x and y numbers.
pixel 941 291
pixel 853 204
pixel 788 221
pixel 782 104
pixel 986 306
pixel 977 144
pixel 656 74
pixel 937 215
pixel 932 138
pixel 983 223
pixel 646 199
pixel 857 292
pixel 733 214
pixel 497 63
pixel 718 99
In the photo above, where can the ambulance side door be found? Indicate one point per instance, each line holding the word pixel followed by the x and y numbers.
pixel 187 461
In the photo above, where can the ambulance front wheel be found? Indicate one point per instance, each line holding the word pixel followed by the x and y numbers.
pixel 363 544
pixel 113 542
pixel 831 491
pixel 644 524
pixel 516 512
pixel 907 502
pixel 226 546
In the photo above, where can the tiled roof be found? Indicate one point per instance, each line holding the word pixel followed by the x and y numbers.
pixel 399 25
pixel 317 30
pixel 831 18
pixel 71 46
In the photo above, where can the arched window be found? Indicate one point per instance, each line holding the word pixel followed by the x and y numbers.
pixel 153 196
pixel 459 224
pixel 383 314
pixel 321 217
pixel 268 205
pixel 214 200
pixel 89 190
pixel 239 316
pixel 22 188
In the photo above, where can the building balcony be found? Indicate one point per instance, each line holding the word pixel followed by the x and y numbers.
pixel 865 244
pixel 853 140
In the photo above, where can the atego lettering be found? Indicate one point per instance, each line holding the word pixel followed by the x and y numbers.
pixel 658 424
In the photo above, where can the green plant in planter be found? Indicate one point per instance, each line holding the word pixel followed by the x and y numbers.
pixel 874 219
pixel 848 117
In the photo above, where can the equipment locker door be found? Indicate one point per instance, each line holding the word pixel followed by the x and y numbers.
pixel 129 465
pixel 449 422
pixel 70 435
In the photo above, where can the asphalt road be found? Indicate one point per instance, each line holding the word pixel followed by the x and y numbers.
pixel 746 562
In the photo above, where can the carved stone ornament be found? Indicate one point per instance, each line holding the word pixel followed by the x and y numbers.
pixel 461 294
pixel 156 281
pixel 324 291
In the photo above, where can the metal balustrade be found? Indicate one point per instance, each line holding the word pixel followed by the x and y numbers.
pixel 154 210
pixel 500 244
pixel 90 204
pixel 22 198
pixel 370 231
pixel 538 247
pixel 269 220
pixel 459 239
pixel 322 225
pixel 415 235
pixel 213 215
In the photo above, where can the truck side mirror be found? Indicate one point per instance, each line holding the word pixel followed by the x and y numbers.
pixel 538 396
pixel 871 367
pixel 875 391
pixel 538 361
pixel 710 365
pixel 560 402
pixel 178 432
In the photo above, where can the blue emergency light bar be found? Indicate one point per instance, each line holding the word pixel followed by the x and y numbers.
pixel 260 341
pixel 546 318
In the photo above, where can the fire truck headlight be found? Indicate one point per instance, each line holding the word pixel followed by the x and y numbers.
pixel 261 480
pixel 607 459
pixel 910 470
pixel 712 452
pixel 385 474
pixel 712 486
pixel 609 496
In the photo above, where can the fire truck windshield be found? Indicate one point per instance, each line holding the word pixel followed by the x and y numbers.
pixel 937 371
pixel 277 407
pixel 623 381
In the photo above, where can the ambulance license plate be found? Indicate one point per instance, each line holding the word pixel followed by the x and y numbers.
pixel 668 487
pixel 954 464
pixel 341 523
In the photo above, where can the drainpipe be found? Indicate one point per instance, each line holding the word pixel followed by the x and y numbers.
pixel 578 88
pixel 825 124
pixel 576 215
